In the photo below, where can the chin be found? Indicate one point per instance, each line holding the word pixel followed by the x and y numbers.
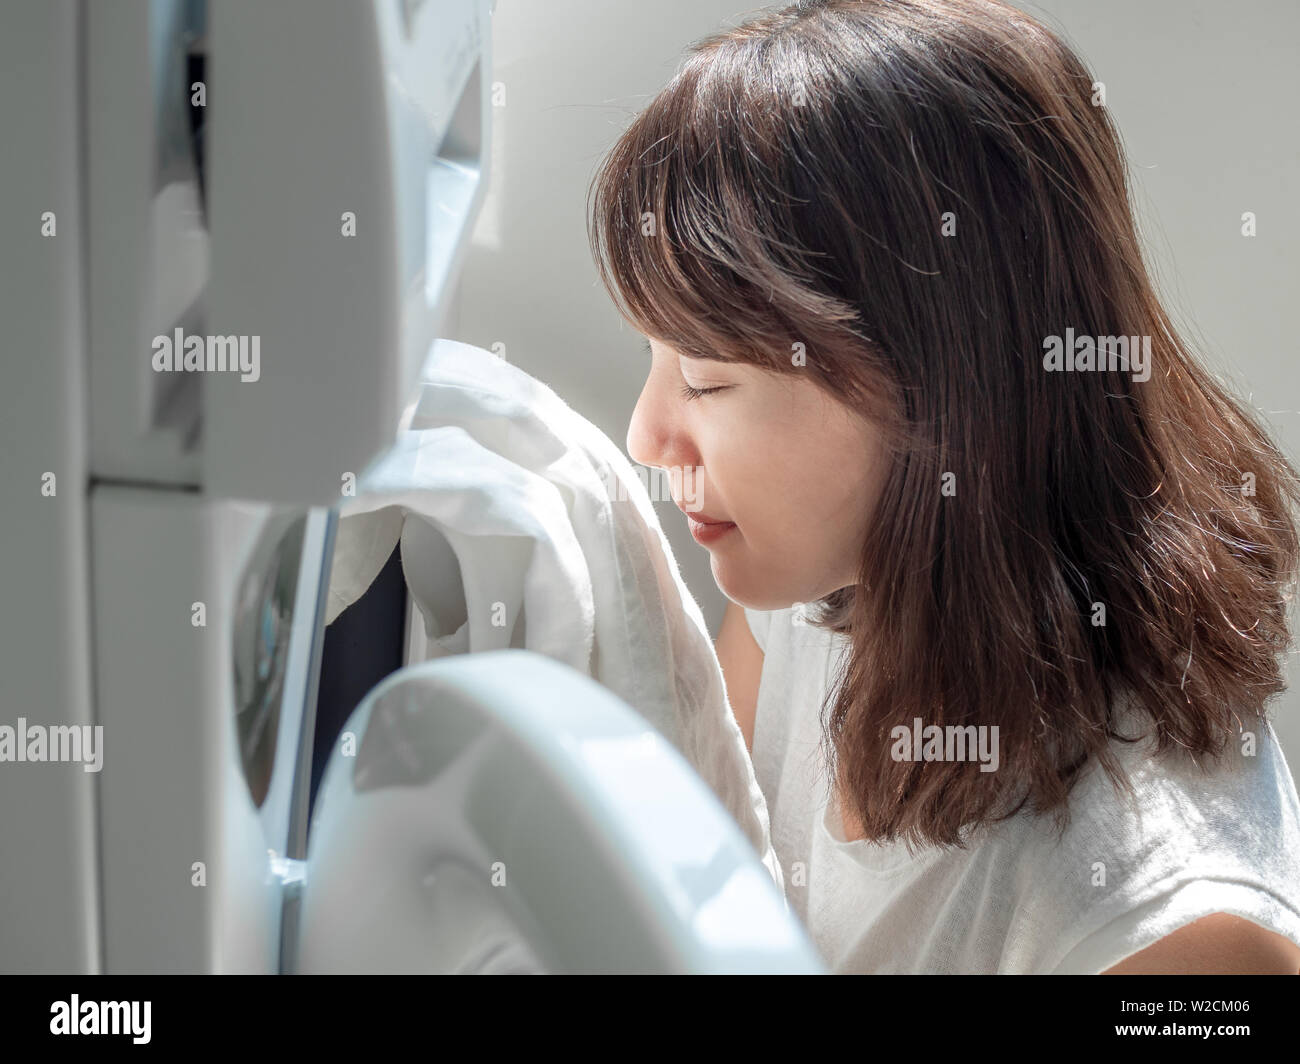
pixel 750 592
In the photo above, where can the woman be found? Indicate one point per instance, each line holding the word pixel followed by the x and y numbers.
pixel 885 257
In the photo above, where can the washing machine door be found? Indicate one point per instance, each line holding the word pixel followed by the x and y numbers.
pixel 500 812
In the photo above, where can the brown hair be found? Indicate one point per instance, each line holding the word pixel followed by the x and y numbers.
pixel 792 184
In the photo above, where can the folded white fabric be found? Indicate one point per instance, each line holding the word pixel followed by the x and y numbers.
pixel 559 551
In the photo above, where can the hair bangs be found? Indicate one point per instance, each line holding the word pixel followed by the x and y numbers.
pixel 683 244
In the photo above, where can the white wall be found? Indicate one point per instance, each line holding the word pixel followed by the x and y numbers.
pixel 1204 94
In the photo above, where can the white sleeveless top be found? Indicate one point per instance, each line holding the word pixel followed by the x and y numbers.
pixel 1015 901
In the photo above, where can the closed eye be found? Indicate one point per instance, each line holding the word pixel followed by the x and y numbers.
pixel 694 393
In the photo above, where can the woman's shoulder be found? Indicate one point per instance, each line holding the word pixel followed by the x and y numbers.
pixel 1197 836
pixel 1235 802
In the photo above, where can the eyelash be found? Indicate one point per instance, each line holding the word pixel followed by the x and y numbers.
pixel 694 393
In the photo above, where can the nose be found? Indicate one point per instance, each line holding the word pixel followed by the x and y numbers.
pixel 643 439
pixel 653 437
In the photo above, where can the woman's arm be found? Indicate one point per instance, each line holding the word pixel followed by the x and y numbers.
pixel 1218 944
pixel 742 662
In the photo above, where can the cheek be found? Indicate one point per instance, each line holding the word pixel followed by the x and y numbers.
pixel 786 491
pixel 799 496
pixel 791 467
pixel 735 484
pixel 813 490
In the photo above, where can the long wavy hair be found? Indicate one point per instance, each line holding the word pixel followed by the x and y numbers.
pixel 919 196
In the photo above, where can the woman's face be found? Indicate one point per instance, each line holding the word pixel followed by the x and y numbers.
pixel 797 472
